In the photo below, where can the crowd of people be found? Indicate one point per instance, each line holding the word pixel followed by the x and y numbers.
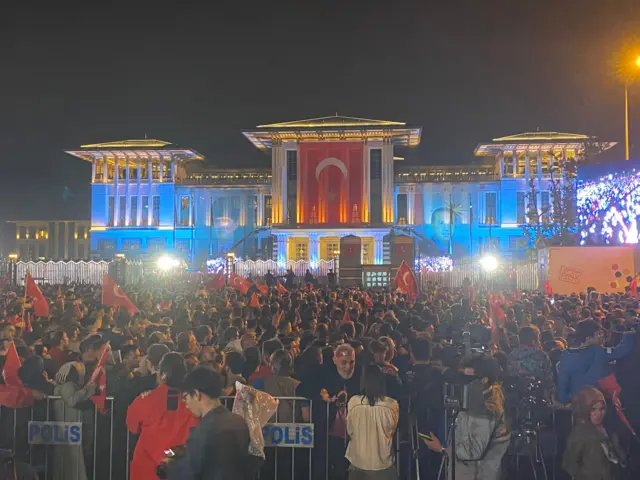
pixel 371 362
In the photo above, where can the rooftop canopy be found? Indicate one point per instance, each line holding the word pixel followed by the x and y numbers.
pixel 133 150
pixel 334 128
pixel 540 141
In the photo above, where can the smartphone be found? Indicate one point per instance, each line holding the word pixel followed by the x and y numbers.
pixel 552 300
pixel 169 453
pixel 426 436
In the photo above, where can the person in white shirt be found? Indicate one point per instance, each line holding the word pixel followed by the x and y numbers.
pixel 372 420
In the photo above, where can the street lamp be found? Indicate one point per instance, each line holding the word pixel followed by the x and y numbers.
pixel 628 71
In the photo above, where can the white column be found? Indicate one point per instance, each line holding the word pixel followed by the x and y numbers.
pixel 139 193
pixel 526 165
pixel 173 167
pixel 242 218
pixel 276 184
pixel 378 250
pixel 410 205
pixel 149 191
pixel 564 164
pixel 501 164
pixel 515 162
pixel 93 170
pixel 282 249
pixel 365 213
pixel 116 197
pixel 161 178
pixel 127 205
pixel 539 168
pixel 260 209
pixel 314 243
pixel 66 240
pixel 387 182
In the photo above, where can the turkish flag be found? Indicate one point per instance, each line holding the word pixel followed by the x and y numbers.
pixel 547 288
pixel 113 295
pixel 254 303
pixel 239 283
pixel 406 281
pixel 346 318
pixel 40 304
pixel 367 301
pixel 263 289
pixel 330 182
pixel 99 378
pixel 281 288
pixel 633 287
pixel 216 282
pixel 12 364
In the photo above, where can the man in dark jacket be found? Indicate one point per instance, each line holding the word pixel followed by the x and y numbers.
pixel 218 448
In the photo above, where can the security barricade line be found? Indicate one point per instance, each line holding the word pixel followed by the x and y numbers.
pixel 81 443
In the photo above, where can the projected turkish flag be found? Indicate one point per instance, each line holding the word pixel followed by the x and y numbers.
pixel 330 182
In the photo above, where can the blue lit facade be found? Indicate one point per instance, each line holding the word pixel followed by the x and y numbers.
pixel 151 197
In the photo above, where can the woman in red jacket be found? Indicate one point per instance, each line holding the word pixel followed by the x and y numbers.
pixel 161 419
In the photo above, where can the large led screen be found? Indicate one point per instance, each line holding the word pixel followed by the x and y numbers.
pixel 608 204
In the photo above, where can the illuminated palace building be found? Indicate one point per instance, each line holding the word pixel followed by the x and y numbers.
pixel 329 177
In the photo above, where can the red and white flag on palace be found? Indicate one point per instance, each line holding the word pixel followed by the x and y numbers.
pixel 406 281
pixel 99 378
pixel 40 304
pixel 281 288
pixel 239 283
pixel 113 296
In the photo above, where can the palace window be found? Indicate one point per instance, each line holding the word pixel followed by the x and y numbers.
pixel 111 217
pixel 490 208
pixel 545 206
pixel 533 164
pixel 521 158
pixel 366 253
pixel 330 248
pixel 301 251
pixel 185 211
pixel 133 214
pixel 156 211
pixel 267 210
pixel 156 244
pixel 144 220
pixel 521 214
pixel 402 214
pixel 122 212
pixel 507 170
pixel 81 253
pixel 107 244
pixel 131 244
pixel 183 245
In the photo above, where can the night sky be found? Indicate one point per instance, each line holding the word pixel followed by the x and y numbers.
pixel 197 73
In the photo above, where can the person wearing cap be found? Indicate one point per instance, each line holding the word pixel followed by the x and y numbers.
pixel 160 417
pixel 590 362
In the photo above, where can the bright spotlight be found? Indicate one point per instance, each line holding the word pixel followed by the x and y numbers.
pixel 488 263
pixel 167 263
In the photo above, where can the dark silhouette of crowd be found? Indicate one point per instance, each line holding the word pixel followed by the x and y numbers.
pixel 374 365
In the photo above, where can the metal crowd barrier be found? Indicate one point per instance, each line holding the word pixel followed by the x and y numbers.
pixel 107 447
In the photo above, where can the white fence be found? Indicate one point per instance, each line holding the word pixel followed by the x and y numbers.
pixel 522 276
pixel 90 272
pixel 258 268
